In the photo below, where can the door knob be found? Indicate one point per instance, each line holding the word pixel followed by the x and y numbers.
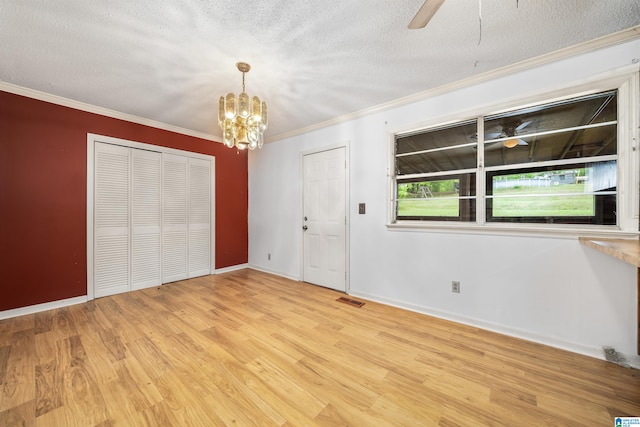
pixel 304 227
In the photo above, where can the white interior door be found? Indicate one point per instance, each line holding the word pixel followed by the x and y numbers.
pixel 325 218
pixel 145 218
pixel 111 250
pixel 199 217
pixel 174 214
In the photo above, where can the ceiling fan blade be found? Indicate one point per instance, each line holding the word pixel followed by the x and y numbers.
pixel 523 125
pixel 492 135
pixel 424 15
pixel 522 142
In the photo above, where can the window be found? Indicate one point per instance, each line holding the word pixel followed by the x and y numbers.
pixel 552 163
pixel 436 174
pixel 554 195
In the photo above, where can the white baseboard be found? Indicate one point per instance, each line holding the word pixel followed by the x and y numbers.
pixel 7 314
pixel 277 273
pixel 597 353
pixel 231 268
pixel 633 360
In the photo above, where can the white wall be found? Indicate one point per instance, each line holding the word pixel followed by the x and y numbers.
pixel 550 290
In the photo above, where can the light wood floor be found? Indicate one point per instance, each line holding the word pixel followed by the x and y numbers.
pixel 248 348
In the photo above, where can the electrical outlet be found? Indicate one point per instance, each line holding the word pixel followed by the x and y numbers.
pixel 268 257
pixel 455 287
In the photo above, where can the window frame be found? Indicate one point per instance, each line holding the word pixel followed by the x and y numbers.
pixel 598 198
pixel 625 81
pixel 469 209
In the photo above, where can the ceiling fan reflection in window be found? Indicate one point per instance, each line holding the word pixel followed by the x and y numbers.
pixel 508 134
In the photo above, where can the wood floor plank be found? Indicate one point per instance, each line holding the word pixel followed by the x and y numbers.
pixel 63 323
pixel 82 394
pixel 126 326
pixel 17 383
pixel 122 407
pixel 8 327
pixel 49 388
pixel 136 385
pixel 18 416
pixel 251 348
pixel 234 342
pixel 4 362
pixel 365 368
pixel 45 347
pixel 43 322
pixel 286 387
pixel 62 416
pixel 150 357
pixel 357 393
pixel 184 404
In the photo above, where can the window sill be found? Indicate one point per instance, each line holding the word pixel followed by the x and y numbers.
pixel 522 230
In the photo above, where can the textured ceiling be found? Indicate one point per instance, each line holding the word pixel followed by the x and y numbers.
pixel 312 61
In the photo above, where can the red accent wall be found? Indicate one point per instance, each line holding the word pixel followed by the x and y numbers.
pixel 43 196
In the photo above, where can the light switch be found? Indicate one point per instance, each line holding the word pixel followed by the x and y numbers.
pixel 361 208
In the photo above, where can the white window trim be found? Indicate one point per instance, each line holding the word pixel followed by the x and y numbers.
pixel 627 81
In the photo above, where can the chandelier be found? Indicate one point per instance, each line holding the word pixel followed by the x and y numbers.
pixel 243 120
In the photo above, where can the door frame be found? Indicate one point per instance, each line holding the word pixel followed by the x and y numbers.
pixel 92 139
pixel 345 145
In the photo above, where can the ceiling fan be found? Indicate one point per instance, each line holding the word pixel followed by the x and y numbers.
pixel 425 13
pixel 511 132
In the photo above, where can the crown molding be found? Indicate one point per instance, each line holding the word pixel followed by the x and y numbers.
pixel 582 48
pixel 592 45
pixel 77 105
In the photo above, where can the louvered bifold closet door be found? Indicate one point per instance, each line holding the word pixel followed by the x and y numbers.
pixel 146 170
pixel 199 217
pixel 111 216
pixel 174 217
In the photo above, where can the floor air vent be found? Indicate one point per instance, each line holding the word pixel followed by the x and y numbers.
pixel 350 301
